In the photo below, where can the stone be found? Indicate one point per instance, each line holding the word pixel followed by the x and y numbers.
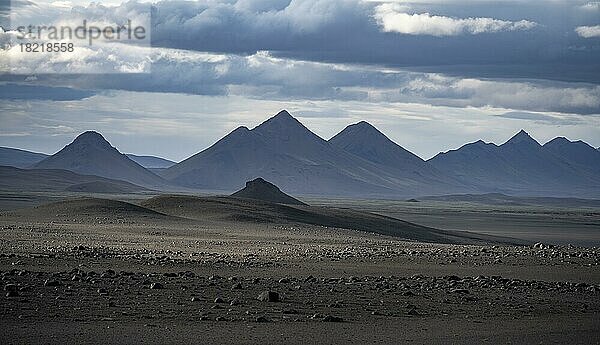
pixel 268 296
pixel 331 318
pixel 51 283
pixel 156 286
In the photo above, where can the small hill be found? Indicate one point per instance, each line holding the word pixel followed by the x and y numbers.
pixel 235 210
pixel 19 158
pixel 259 189
pixel 85 210
pixel 91 154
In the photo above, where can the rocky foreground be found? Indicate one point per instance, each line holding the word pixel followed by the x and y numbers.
pixel 98 271
pixel 366 290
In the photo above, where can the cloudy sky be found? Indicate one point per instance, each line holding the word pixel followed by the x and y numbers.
pixel 432 75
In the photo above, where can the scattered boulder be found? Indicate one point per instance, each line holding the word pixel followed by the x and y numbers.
pixel 268 296
pixel 331 318
pixel 261 319
pixel 49 282
pixel 156 286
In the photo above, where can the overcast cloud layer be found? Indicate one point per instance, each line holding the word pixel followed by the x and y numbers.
pixel 517 62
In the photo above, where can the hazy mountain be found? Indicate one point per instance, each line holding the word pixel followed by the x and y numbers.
pixel 367 142
pixel 577 153
pixel 151 162
pixel 259 189
pixel 19 158
pixel 91 154
pixel 37 180
pixel 286 153
pixel 520 166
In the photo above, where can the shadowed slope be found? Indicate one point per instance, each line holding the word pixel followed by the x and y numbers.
pixel 255 211
pixel 90 210
pixel 44 180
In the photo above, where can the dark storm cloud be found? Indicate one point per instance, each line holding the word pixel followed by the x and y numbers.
pixel 350 51
pixel 485 33
pixel 30 92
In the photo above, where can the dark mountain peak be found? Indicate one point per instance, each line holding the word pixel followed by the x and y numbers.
pixel 260 182
pixel 558 141
pixel 479 144
pixel 92 138
pixel 259 189
pixel 361 132
pixel 366 128
pixel 284 114
pixel 284 127
pixel 282 121
pixel 522 138
pixel 240 130
pixel 363 124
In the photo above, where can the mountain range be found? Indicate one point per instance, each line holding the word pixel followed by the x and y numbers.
pixel 360 161
pixel 521 166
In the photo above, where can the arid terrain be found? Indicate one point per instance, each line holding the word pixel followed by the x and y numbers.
pixel 167 271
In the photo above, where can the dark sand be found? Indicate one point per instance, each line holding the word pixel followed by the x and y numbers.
pixel 84 274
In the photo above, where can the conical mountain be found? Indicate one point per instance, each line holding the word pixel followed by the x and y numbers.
pixel 520 166
pixel 366 141
pixel 522 139
pixel 91 154
pixel 259 189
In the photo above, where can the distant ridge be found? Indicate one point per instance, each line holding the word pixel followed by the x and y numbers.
pixel 42 180
pixel 91 154
pixel 19 158
pixel 151 162
pixel 521 166
pixel 259 189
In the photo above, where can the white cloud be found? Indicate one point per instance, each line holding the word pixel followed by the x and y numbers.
pixel 391 18
pixel 591 6
pixel 588 31
pixel 263 76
